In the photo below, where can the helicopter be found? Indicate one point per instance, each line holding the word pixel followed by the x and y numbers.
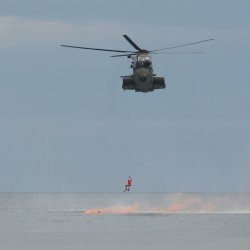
pixel 143 78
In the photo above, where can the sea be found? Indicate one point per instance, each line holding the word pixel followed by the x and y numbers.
pixel 117 221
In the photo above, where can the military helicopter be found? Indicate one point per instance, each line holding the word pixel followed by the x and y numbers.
pixel 143 78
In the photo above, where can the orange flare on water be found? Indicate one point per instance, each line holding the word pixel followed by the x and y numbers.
pixel 114 210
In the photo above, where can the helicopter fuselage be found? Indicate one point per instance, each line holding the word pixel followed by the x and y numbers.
pixel 143 79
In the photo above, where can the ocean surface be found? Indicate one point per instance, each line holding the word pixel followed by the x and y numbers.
pixel 117 221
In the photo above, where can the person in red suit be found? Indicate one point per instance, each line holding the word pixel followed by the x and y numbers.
pixel 128 185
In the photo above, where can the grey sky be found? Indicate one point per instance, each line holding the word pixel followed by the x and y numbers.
pixel 66 124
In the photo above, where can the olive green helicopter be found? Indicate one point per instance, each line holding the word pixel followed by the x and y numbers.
pixel 143 78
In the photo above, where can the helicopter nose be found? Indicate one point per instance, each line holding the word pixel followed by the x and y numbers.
pixel 143 79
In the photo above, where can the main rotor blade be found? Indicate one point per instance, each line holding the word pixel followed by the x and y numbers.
pixel 110 50
pixel 131 54
pixel 177 52
pixel 187 44
pixel 131 42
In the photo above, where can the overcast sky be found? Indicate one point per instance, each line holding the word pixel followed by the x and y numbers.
pixel 66 124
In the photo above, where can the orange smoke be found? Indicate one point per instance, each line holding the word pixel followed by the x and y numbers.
pixel 188 205
pixel 178 204
pixel 174 208
pixel 114 210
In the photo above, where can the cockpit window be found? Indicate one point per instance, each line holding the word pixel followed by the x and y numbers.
pixel 143 64
pixel 143 58
pixel 143 61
